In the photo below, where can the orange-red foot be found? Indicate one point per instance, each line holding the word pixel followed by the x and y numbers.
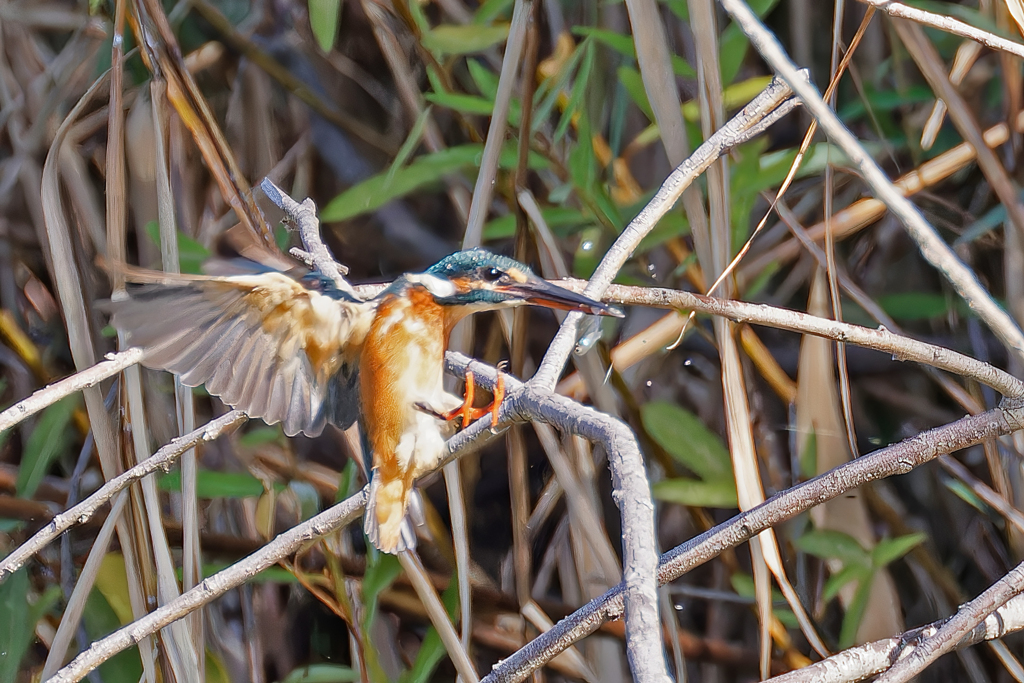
pixel 467 412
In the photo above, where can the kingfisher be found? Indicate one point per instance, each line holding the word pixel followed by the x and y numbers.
pixel 290 347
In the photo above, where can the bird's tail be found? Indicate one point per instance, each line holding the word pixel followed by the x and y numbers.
pixel 384 521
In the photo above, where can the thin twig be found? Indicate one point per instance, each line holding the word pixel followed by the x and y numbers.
pixel 281 547
pixel 84 511
pixel 733 133
pixel 931 245
pixel 948 24
pixel 49 395
pixel 304 216
pixel 900 347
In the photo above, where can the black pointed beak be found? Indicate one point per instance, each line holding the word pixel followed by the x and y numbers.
pixel 542 293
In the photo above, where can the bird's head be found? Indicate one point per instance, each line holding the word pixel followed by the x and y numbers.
pixel 479 280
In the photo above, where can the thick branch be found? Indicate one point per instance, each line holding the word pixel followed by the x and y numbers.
pixel 897 459
pixel 857 663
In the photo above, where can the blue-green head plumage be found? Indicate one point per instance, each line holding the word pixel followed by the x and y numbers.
pixel 481 279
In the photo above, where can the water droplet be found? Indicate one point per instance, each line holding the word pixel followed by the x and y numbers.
pixel 587 245
pixel 589 335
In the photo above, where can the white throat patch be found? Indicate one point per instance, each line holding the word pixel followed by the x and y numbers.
pixel 439 287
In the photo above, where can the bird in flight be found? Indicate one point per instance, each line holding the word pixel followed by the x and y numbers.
pixel 290 347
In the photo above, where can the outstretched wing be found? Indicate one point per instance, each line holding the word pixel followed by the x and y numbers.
pixel 263 342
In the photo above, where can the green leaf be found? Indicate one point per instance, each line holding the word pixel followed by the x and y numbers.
pixel 688 440
pixel 467 104
pixel 579 88
pixel 829 544
pixel 964 493
pixel 15 634
pixel 323 19
pixel 463 40
pixel 486 81
pixel 412 141
pixel 347 481
pixel 432 651
pixel 914 305
pixel 889 550
pixel 696 493
pixel 191 254
pixel 212 484
pixel 49 439
pixel 100 620
pixel 623 44
pixel 375 192
pixel 835 583
pixel 381 571
pixel 322 673
pixel 259 436
pixel 561 220
pixel 633 83
pixel 855 614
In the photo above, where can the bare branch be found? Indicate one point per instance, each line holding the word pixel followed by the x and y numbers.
pixel 304 216
pixel 738 130
pixel 281 547
pixel 83 512
pixel 896 459
pixel 967 618
pixel 932 247
pixel 947 24
pixel 89 377
pixel 857 663
pixel 901 347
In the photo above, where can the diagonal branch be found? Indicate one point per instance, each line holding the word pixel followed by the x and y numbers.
pixel 897 459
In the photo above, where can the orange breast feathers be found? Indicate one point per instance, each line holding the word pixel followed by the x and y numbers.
pixel 402 365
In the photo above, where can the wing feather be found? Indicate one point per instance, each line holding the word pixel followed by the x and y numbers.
pixel 264 342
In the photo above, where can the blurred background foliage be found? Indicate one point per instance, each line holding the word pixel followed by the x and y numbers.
pixel 379 112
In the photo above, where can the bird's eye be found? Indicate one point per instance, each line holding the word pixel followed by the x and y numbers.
pixel 492 274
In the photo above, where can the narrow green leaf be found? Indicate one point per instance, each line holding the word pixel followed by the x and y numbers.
pixel 579 87
pixel 889 550
pixel 15 634
pixel 633 83
pixel 412 141
pixel 486 81
pixel 829 544
pixel 323 19
pixel 835 583
pixel 696 493
pixel 463 40
pixel 191 254
pixel 322 673
pixel 211 484
pixel 49 439
pixel 915 305
pixel 375 192
pixel 688 440
pixel 467 104
pixel 432 651
pixel 855 614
